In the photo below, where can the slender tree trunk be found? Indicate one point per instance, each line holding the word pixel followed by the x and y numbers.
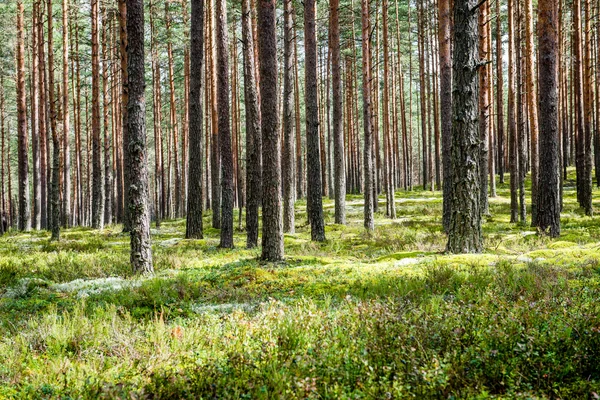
pixel 66 204
pixel 532 106
pixel 105 107
pixel 53 184
pixel 123 43
pixel 35 122
pixel 512 128
pixel 465 234
pixel 224 128
pixel 288 122
pixel 312 125
pixel 484 109
pixel 499 94
pixel 299 163
pixel 272 240
pixel 444 35
pixel 548 200
pixel 24 206
pixel 369 222
pixel 97 203
pixel 338 132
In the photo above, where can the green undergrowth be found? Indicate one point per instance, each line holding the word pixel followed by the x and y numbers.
pixel 380 315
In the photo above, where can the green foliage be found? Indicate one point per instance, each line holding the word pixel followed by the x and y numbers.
pixel 381 315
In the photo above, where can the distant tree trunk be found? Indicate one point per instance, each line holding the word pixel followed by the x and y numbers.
pixel 24 211
pixel 288 122
pixel 194 228
pixel 338 132
pixel 224 128
pixel 548 199
pixel 586 102
pixel 387 130
pixel 465 235
pixel 446 104
pixel 97 203
pixel 499 94
pixel 532 107
pixel 312 125
pixel 66 204
pixel 299 163
pixel 422 96
pixel 369 222
pixel 253 133
pixel 43 119
pixel 141 251
pixel 35 122
pixel 272 239
pixel 521 123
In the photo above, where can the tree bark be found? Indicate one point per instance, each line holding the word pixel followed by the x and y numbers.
pixel 224 128
pixel 272 240
pixel 312 125
pixel 444 35
pixel 369 222
pixel 24 206
pixel 141 251
pixel 194 228
pixel 465 234
pixel 66 204
pixel 548 198
pixel 97 202
pixel 288 171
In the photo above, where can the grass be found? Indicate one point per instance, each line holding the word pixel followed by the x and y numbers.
pixel 381 315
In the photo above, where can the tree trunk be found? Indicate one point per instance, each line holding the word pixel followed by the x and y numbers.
pixel 338 133
pixel 315 201
pixel 141 251
pixel 224 128
pixel 123 43
pixel 272 240
pixel 444 35
pixel 484 109
pixel 288 122
pixel 24 210
pixel 512 129
pixel 532 106
pixel 35 121
pixel 194 228
pixel 97 203
pixel 465 235
pixel 499 94
pixel 548 199
pixel 66 204
pixel 108 212
pixel 369 222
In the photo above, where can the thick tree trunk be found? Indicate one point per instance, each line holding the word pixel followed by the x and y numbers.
pixel 66 203
pixel 24 206
pixel 194 228
pixel 141 251
pixel 464 235
pixel 35 121
pixel 315 201
pixel 548 199
pixel 272 240
pixel 288 171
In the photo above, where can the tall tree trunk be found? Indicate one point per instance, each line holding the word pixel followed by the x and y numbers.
pixel 288 122
pixel 465 234
pixel 224 128
pixel 512 129
pixel 35 121
pixel 369 222
pixel 499 94
pixel 253 133
pixel 312 125
pixel 105 107
pixel 66 204
pixel 484 109
pixel 123 43
pixel 272 240
pixel 141 251
pixel 387 131
pixel 53 186
pixel 194 228
pixel 444 35
pixel 97 203
pixel 24 206
pixel 532 106
pixel 338 133
pixel 548 200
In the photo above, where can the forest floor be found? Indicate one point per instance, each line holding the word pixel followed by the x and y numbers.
pixel 386 315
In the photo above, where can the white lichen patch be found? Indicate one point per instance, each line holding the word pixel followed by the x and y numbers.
pixel 85 288
pixel 225 307
pixel 23 287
